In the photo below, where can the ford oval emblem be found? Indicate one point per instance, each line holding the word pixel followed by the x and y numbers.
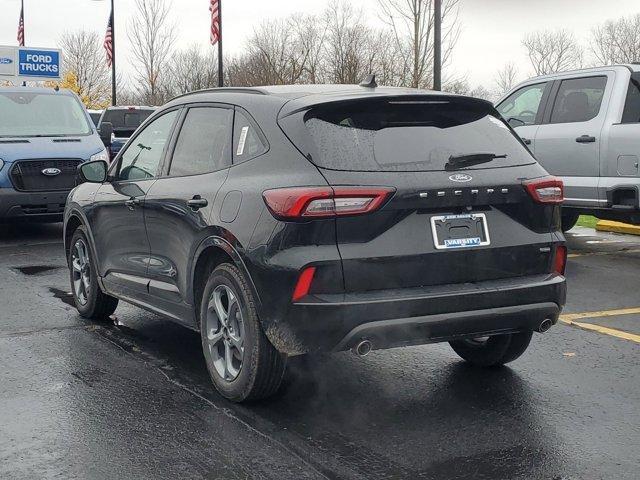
pixel 5 61
pixel 460 177
pixel 51 172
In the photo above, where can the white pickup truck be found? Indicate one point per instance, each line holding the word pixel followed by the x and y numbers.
pixel 584 126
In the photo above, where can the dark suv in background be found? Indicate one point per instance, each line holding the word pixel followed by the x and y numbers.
pixel 123 120
pixel 282 221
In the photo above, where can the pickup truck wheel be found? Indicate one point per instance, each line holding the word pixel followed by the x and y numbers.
pixel 242 363
pixel 568 220
pixel 90 300
pixel 492 351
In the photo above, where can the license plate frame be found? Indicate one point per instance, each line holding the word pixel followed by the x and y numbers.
pixel 460 243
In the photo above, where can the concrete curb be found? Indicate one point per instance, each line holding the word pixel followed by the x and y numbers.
pixel 617 227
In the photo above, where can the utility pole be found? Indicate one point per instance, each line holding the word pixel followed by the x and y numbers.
pixel 437 44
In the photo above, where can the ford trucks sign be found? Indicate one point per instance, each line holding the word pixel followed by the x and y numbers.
pixel 18 64
pixel 38 63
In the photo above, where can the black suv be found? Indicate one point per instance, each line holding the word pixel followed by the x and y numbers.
pixel 288 220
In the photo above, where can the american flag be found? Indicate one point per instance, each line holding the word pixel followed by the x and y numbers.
pixel 21 27
pixel 214 8
pixel 108 41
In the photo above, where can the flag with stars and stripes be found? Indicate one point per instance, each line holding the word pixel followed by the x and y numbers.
pixel 108 41
pixel 214 8
pixel 21 26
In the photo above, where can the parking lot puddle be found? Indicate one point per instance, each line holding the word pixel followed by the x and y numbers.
pixel 65 297
pixel 36 269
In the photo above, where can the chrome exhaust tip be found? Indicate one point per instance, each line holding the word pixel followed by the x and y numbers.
pixel 362 349
pixel 545 325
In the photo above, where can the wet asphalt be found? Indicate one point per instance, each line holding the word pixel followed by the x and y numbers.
pixel 131 399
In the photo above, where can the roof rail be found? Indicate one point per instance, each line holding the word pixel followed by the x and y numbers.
pixel 252 91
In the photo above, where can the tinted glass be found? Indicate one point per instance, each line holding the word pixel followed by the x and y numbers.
pixel 247 143
pixel 125 122
pixel 404 135
pixel 523 105
pixel 631 112
pixel 578 99
pixel 141 158
pixel 203 144
pixel 46 114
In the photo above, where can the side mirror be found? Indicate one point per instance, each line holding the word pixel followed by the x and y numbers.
pixel 93 172
pixel 106 131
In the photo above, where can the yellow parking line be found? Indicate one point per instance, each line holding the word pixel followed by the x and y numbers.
pixel 570 319
pixel 614 252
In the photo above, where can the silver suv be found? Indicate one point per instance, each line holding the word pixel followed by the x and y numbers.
pixel 584 126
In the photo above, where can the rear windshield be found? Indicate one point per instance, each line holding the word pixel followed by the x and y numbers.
pixel 125 122
pixel 25 114
pixel 403 134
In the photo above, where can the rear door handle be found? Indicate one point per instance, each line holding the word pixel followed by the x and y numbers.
pixel 586 139
pixel 197 202
pixel 131 203
pixel 526 141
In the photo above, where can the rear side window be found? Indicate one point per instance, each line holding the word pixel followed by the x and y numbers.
pixel 203 143
pixel 578 99
pixel 247 141
pixel 631 112
pixel 403 134
pixel 522 105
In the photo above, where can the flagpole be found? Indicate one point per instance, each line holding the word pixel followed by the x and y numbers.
pixel 220 70
pixel 113 60
pixel 24 35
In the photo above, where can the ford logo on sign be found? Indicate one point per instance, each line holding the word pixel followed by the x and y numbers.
pixel 5 61
pixel 51 172
pixel 460 177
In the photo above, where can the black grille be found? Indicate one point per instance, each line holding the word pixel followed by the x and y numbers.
pixel 27 175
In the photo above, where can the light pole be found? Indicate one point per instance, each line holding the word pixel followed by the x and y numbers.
pixel 437 45
pixel 112 22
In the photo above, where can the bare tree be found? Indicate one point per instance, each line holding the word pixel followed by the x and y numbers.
pixel 349 56
pixel 617 41
pixel 191 70
pixel 412 24
pixel 84 57
pixel 553 51
pixel 152 36
pixel 506 78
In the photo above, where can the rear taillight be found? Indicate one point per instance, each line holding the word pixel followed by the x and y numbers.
pixel 297 203
pixel 560 260
pixel 304 283
pixel 546 190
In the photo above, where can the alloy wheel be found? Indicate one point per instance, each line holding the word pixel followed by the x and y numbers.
pixel 81 271
pixel 225 332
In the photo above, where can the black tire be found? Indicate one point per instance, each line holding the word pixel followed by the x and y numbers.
pixel 493 351
pixel 568 220
pixel 95 304
pixel 258 373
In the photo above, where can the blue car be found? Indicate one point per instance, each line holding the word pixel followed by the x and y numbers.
pixel 45 134
pixel 124 120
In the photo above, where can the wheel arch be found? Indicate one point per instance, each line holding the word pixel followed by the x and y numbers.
pixel 211 252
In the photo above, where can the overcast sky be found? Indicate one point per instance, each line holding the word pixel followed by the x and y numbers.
pixel 491 29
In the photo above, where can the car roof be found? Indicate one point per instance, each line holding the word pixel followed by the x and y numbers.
pixel 42 90
pixel 290 98
pixel 131 107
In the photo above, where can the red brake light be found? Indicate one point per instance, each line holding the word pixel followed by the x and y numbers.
pixel 560 260
pixel 546 190
pixel 304 283
pixel 321 202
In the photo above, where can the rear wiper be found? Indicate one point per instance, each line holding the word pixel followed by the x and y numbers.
pixel 458 161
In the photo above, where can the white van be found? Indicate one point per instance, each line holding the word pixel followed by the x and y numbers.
pixel 584 126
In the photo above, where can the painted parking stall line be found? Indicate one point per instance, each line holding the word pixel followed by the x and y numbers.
pixel 572 319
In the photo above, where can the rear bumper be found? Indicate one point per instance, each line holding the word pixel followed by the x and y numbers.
pixel 392 318
pixel 32 206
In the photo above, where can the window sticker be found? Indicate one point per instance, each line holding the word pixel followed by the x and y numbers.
pixel 243 139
